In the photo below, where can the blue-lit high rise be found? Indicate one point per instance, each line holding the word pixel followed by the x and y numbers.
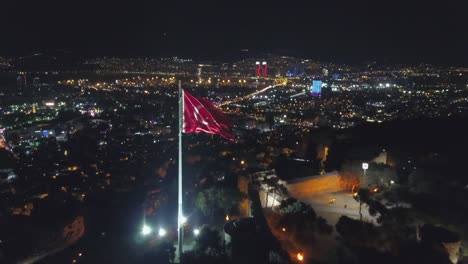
pixel 316 88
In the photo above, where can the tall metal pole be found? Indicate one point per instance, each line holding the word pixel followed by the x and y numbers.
pixel 180 195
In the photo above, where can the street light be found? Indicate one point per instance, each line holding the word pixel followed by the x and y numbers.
pixel 146 230
pixel 300 257
pixel 365 166
pixel 196 231
pixel 162 232
pixel 183 219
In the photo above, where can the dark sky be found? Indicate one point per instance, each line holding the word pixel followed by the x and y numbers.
pixel 397 31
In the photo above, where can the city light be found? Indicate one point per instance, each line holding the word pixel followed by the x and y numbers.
pixel 300 257
pixel 132 121
pixel 146 230
pixel 365 166
pixel 162 232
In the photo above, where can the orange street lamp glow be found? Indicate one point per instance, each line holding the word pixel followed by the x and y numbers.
pixel 284 229
pixel 227 217
pixel 300 257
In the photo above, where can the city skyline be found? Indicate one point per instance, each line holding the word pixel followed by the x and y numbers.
pixel 347 32
pixel 233 133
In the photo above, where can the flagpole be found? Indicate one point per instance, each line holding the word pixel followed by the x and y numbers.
pixel 180 231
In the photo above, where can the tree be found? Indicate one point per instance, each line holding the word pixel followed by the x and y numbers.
pixel 205 202
pixel 350 174
pixel 294 206
pixel 377 175
pixel 356 232
pixel 218 199
pixel 299 216
pixel 209 242
pixel 362 196
pixel 208 248
pixel 336 155
pixel 424 181
pixel 164 253
pixel 192 257
pixel 323 226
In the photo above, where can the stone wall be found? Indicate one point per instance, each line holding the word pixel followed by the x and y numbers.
pixel 319 184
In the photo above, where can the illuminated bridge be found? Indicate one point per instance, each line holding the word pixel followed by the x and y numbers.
pixel 249 96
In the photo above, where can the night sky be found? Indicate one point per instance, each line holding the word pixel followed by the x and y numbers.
pixel 349 31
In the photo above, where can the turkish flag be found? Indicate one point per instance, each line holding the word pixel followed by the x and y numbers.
pixel 200 115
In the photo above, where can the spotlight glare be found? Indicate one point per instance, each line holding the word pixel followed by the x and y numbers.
pixel 146 230
pixel 162 232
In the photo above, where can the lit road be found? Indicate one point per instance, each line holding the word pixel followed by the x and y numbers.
pixel 249 96
pixel 333 212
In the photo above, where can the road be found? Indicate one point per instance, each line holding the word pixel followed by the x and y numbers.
pixel 333 211
pixel 249 95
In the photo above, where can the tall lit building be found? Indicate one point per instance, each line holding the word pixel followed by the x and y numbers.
pixel 199 73
pixel 258 68
pixel 265 68
pixel 316 88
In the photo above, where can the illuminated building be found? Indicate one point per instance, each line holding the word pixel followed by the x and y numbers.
pixel 265 69
pixel 199 73
pixel 258 68
pixel 316 88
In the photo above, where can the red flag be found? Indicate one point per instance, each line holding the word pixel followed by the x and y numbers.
pixel 200 115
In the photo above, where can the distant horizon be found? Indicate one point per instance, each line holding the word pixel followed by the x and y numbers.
pixel 339 31
pixel 239 54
